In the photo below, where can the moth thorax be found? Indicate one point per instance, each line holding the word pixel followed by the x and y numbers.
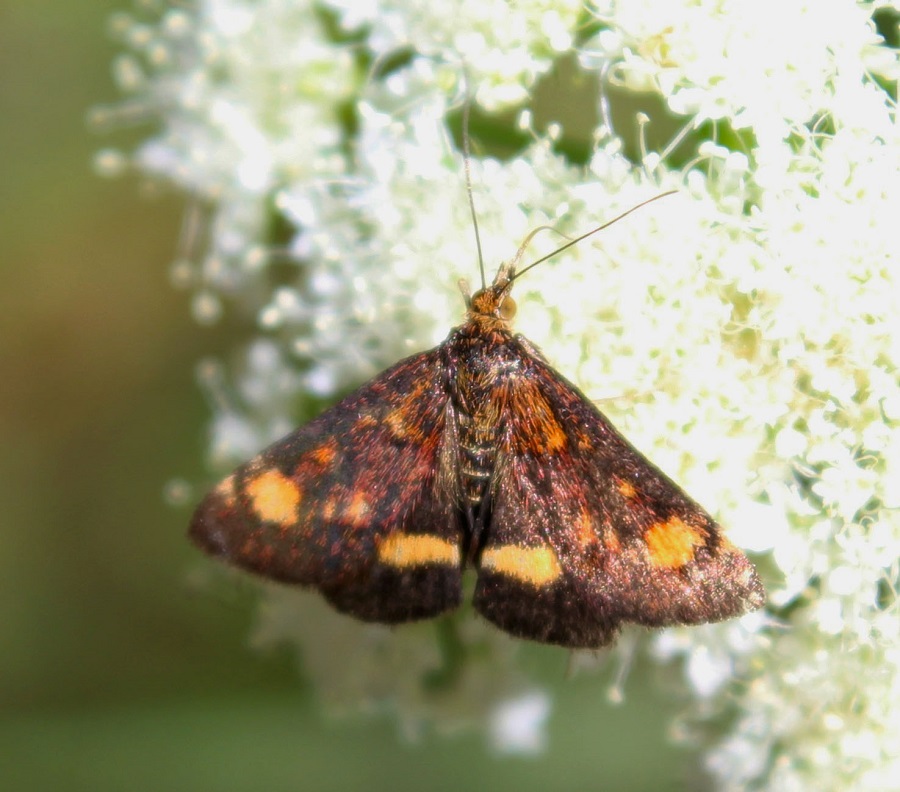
pixel 478 452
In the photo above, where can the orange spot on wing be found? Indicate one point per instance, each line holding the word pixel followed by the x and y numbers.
pixel 325 454
pixel 626 489
pixel 396 421
pixel 583 440
pixel 403 420
pixel 541 433
pixel 273 497
pixel 357 511
pixel 413 550
pixel 536 566
pixel 554 436
pixel 585 528
pixel 329 508
pixel 671 544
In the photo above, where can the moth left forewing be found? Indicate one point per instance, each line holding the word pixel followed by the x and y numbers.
pixel 586 533
pixel 355 503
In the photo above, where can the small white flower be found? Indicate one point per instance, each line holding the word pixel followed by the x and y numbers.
pixel 518 725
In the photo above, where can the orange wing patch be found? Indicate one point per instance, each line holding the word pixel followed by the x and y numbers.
pixel 536 566
pixel 401 421
pixel 357 511
pixel 671 544
pixel 626 488
pixel 545 435
pixel 366 422
pixel 274 497
pixel 325 454
pixel 329 509
pixel 584 529
pixel 396 421
pixel 413 550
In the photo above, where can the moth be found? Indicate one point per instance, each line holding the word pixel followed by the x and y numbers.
pixel 478 454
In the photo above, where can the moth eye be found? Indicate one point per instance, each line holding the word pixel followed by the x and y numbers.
pixel 508 309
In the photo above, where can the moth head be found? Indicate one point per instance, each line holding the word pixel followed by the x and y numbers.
pixel 494 301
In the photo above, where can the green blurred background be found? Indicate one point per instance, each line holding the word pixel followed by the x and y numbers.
pixel 115 673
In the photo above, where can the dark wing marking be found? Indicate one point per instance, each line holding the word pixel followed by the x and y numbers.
pixel 356 503
pixel 585 533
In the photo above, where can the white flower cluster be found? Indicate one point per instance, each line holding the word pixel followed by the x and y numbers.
pixel 757 63
pixel 744 334
pixel 247 100
pixel 813 283
pixel 533 32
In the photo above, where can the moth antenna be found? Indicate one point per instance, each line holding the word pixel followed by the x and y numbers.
pixel 531 235
pixel 578 239
pixel 467 160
